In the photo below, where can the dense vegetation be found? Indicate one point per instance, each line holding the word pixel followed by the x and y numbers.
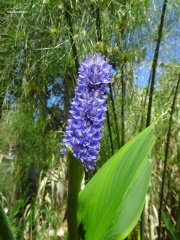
pixel 41 46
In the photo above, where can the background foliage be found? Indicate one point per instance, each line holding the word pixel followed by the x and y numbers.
pixel 41 46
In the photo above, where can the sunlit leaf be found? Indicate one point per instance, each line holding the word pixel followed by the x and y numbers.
pixel 111 203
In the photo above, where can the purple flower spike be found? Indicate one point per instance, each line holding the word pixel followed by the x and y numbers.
pixel 83 134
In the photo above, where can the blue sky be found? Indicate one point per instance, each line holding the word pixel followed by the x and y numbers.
pixel 170 45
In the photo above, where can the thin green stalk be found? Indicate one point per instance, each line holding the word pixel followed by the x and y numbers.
pixel 154 64
pixel 166 157
pixel 2 96
pixel 5 229
pixel 98 25
pixel 68 14
pixel 115 115
pixel 75 179
pixel 178 215
pixel 142 225
pixel 178 207
pixel 144 105
pixel 110 132
pixel 153 76
pixel 99 38
pixel 122 108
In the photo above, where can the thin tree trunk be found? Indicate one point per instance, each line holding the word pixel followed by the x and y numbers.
pixel 122 108
pixel 178 207
pixel 144 105
pixel 68 14
pixel 154 64
pixel 166 157
pixel 2 97
pixel 98 25
pixel 99 38
pixel 178 216
pixel 110 133
pixel 115 115
pixel 152 85
pixel 70 79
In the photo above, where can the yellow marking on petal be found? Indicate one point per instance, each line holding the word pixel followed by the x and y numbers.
pixel 96 94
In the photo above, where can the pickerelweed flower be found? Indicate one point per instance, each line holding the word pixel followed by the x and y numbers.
pixel 83 133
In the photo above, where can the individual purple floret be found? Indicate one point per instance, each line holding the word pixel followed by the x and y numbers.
pixel 83 133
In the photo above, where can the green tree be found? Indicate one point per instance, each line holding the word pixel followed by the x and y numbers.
pixel 42 44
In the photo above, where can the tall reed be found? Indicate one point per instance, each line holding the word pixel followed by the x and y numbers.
pixel 166 157
pixel 151 92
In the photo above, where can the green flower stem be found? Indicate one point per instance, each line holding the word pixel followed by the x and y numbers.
pixel 5 229
pixel 75 178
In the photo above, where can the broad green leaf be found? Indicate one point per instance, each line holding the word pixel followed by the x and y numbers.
pixel 170 226
pixel 111 203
